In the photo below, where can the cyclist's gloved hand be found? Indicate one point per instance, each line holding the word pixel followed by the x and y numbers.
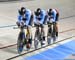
pixel 24 19
pixel 18 24
pixel 39 18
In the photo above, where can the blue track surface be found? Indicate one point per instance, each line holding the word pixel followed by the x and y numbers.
pixel 57 53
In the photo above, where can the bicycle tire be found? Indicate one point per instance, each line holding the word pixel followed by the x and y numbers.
pixel 49 35
pixel 36 43
pixel 20 42
pixel 54 33
pixel 36 40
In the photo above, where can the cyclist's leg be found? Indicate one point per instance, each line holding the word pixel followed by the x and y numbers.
pixel 42 35
pixel 57 17
pixel 42 27
pixel 43 32
pixel 28 38
pixel 56 29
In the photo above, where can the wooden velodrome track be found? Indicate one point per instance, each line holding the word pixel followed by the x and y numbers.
pixel 8 17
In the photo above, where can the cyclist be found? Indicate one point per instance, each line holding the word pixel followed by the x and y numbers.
pixel 40 19
pixel 25 18
pixel 54 14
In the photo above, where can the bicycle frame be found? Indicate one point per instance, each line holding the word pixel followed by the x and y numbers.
pixel 38 36
pixel 23 38
pixel 51 32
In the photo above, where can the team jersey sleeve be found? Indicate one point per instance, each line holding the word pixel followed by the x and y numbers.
pixel 28 16
pixel 54 14
pixel 19 18
pixel 42 17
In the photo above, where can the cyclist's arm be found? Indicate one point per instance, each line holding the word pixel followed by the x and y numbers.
pixel 19 18
pixel 35 19
pixel 28 17
pixel 54 14
pixel 42 17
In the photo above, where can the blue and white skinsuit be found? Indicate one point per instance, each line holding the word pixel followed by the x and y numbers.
pixel 42 17
pixel 27 16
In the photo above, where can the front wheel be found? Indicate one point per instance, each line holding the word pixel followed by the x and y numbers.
pixel 36 43
pixel 20 42
pixel 49 35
